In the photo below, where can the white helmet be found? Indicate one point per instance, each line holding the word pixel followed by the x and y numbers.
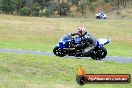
pixel 81 30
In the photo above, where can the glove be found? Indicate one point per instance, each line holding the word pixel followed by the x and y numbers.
pixel 70 34
pixel 78 46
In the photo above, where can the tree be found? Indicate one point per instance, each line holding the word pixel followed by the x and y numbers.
pixel 7 6
pixel 35 9
pixel 52 6
pixel 74 2
pixel 19 4
pixel 82 6
pixel 124 3
pixel 106 0
pixel 120 3
pixel 63 8
pixel 88 2
pixel 29 3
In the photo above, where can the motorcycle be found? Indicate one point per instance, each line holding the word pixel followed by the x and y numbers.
pixel 67 46
pixel 98 16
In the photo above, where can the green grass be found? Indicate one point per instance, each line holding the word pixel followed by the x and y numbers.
pixel 33 71
pixel 26 46
pixel 42 34
pixel 34 33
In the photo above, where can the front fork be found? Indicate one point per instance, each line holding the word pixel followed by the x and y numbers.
pixel 61 47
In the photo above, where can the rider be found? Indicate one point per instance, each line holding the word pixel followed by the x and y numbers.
pixel 101 14
pixel 87 40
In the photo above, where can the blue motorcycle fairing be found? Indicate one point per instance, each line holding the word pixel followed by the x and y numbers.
pixel 102 42
pixel 63 41
pixel 99 43
pixel 77 40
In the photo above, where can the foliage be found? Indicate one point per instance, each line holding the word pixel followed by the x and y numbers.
pixel 25 11
pixel 73 2
pixel 52 6
pixel 47 13
pixel 92 7
pixel 82 6
pixel 7 6
pixel 63 8
pixel 35 9
pixel 35 6
pixel 88 2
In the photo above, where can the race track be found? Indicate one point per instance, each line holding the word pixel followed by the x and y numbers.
pixel 108 58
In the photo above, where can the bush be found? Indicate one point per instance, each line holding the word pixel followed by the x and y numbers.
pixel 35 9
pixel 63 8
pixel 82 7
pixel 73 2
pixel 88 2
pixel 47 13
pixel 92 7
pixel 25 11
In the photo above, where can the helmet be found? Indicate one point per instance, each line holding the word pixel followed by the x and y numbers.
pixel 81 30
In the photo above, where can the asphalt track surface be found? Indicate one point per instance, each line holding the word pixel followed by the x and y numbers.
pixel 108 58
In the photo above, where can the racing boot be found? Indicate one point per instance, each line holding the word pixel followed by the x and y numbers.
pixel 87 51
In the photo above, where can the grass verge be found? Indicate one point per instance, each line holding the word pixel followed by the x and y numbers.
pixel 34 71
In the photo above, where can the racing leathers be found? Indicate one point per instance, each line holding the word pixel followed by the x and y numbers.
pixel 88 42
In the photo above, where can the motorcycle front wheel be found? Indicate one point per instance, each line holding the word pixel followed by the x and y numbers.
pixel 57 51
pixel 97 17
